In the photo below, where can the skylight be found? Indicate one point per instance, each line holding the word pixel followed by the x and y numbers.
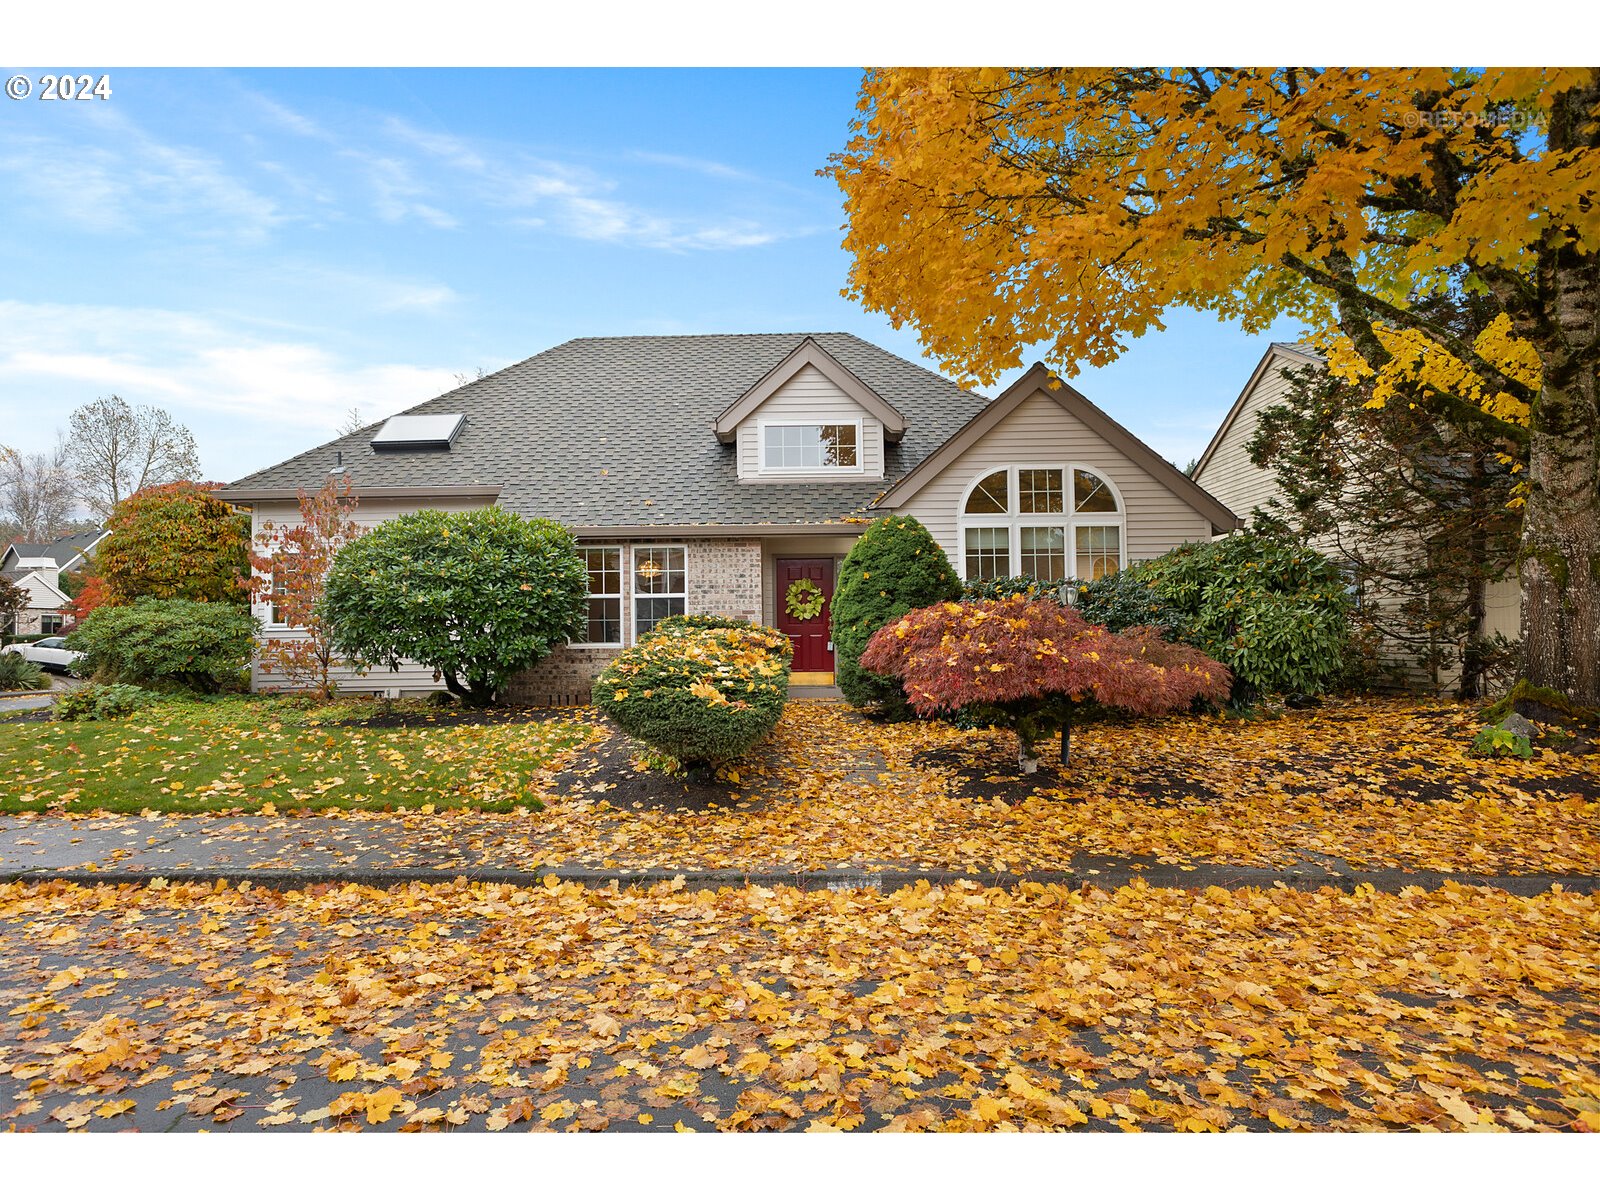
pixel 426 431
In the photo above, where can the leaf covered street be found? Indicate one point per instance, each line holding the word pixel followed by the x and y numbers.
pixel 474 1007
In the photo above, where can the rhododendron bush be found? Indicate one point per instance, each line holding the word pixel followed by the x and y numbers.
pixel 1034 666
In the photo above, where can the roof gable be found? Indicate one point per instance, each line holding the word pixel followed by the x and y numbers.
pixel 1039 379
pixel 809 354
pixel 1297 354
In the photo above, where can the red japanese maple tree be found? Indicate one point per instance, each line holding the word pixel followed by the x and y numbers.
pixel 91 595
pixel 1035 666
pixel 290 564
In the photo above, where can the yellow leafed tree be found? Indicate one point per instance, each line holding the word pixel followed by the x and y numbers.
pixel 996 209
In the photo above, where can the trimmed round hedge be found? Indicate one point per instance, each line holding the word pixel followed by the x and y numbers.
pixel 703 695
pixel 893 567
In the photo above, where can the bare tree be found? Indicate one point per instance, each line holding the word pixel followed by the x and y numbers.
pixel 37 493
pixel 465 377
pixel 116 449
pixel 353 420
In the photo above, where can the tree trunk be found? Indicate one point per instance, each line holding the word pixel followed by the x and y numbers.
pixel 1066 744
pixel 1560 553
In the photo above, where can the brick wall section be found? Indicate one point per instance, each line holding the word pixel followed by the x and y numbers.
pixel 563 677
pixel 722 578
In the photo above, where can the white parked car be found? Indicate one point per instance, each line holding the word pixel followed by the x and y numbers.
pixel 50 653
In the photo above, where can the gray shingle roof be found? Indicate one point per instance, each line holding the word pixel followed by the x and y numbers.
pixel 618 431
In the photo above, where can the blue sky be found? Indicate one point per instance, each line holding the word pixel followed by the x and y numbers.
pixel 259 251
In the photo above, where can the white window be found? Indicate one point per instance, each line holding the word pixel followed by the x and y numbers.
pixel 51 623
pixel 659 589
pixel 281 571
pixel 810 448
pixel 1049 522
pixel 603 621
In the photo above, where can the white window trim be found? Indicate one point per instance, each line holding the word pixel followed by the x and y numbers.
pixel 634 595
pixel 1014 522
pixel 624 561
pixel 761 448
pixel 269 622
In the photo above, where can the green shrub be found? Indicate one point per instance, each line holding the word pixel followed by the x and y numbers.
pixel 102 702
pixel 478 596
pixel 17 674
pixel 894 567
pixel 201 646
pixel 683 621
pixel 1272 610
pixel 702 696
pixel 1494 742
pixel 1008 586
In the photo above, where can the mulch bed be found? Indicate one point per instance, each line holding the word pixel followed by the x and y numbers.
pixel 985 768
pixel 605 770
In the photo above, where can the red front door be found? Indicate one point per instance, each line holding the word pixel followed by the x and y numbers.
pixel 812 649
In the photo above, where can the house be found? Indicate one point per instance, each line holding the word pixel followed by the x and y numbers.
pixel 37 568
pixel 710 474
pixel 1226 472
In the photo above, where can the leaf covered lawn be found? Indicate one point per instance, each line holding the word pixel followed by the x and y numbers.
pixel 487 1007
pixel 243 754
pixel 1373 783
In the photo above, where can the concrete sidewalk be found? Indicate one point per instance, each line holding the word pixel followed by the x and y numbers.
pixel 284 852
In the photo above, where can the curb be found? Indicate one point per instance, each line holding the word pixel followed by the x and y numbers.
pixel 886 881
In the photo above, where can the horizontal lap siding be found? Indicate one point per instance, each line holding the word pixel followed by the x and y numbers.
pixel 810 396
pixel 1039 431
pixel 1230 476
pixel 411 676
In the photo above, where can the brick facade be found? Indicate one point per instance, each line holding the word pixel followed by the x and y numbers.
pixel 722 577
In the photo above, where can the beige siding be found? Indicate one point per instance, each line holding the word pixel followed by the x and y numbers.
pixel 1503 600
pixel 1040 433
pixel 410 677
pixel 810 396
pixel 1229 475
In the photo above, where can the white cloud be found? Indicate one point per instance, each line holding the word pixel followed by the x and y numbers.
pixel 250 399
pixel 113 177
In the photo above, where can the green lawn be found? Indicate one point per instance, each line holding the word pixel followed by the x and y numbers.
pixel 248 752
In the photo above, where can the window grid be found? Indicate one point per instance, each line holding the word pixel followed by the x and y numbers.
pixel 1002 508
pixel 659 588
pixel 833 447
pixel 1099 550
pixel 1040 490
pixel 1043 551
pixel 988 553
pixel 603 622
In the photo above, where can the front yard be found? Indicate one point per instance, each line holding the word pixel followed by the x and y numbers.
pixel 936 1006
pixel 1364 784
pixel 245 754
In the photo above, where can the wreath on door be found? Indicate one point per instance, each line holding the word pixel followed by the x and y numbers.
pixel 803 600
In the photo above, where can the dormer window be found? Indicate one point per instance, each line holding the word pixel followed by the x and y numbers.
pixel 803 447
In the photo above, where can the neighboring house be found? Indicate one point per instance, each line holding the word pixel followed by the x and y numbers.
pixel 37 567
pixel 1226 472
pixel 708 474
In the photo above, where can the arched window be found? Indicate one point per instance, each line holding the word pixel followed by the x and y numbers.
pixel 1050 522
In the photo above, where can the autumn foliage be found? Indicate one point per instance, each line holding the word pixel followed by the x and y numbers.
pixel 291 563
pixel 703 695
pixel 1035 665
pixel 996 209
pixel 91 595
pixel 176 541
